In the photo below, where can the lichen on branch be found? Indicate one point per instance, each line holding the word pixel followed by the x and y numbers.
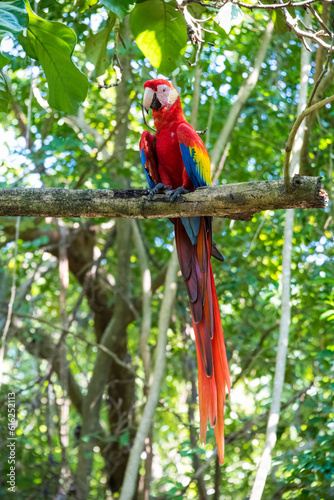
pixel 233 201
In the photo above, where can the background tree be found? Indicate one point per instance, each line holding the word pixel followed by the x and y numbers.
pixel 81 301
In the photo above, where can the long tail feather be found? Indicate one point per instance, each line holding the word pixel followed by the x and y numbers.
pixel 213 372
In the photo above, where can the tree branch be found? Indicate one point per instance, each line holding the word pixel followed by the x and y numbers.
pixel 234 201
pixel 274 6
pixel 293 133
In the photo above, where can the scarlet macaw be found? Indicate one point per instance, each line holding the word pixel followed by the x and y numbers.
pixel 175 158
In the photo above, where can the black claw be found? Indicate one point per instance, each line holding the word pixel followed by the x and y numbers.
pixel 177 192
pixel 159 188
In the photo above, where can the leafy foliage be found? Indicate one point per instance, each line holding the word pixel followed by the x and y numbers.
pixel 120 8
pixel 160 33
pixel 96 48
pixel 228 16
pixel 4 94
pixel 42 147
pixel 13 18
pixel 52 45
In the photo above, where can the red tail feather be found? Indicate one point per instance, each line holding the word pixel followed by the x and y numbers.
pixel 213 372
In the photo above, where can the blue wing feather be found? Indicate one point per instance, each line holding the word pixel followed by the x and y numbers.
pixel 191 225
pixel 151 183
pixel 194 155
pixel 148 158
pixel 191 166
pixel 197 164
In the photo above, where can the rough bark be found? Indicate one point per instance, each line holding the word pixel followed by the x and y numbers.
pixel 234 201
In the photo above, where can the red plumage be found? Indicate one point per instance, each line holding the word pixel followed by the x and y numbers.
pixel 176 156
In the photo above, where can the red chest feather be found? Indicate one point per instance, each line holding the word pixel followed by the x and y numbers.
pixel 170 162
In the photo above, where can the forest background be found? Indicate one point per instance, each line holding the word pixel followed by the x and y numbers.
pixel 85 304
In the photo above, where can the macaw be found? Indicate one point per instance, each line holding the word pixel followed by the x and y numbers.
pixel 175 159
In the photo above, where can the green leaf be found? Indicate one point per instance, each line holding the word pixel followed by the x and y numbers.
pixel 229 15
pixel 160 33
pixel 3 60
pixel 328 314
pixel 119 7
pixel 13 18
pixel 278 18
pixel 4 93
pixel 96 48
pixel 279 21
pixel 52 43
pixel 124 439
pixel 27 46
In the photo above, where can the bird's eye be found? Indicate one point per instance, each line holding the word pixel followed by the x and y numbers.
pixel 163 90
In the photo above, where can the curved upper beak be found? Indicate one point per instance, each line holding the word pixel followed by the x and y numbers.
pixel 150 100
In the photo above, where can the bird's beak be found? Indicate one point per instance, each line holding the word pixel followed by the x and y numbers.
pixel 150 100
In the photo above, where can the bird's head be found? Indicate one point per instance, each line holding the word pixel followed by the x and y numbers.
pixel 159 94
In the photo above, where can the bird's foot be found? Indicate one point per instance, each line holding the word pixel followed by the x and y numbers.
pixel 177 192
pixel 159 188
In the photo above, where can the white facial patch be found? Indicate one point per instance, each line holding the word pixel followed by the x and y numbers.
pixel 163 93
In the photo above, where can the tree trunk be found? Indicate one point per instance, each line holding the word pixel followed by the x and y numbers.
pixel 271 434
pixel 130 479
